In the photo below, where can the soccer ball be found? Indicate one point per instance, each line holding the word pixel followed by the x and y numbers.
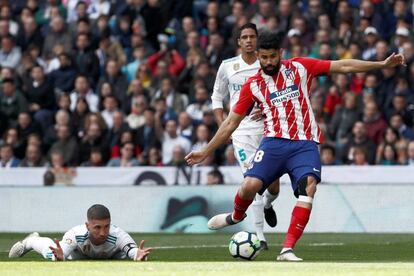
pixel 244 245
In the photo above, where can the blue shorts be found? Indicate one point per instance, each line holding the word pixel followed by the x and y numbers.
pixel 277 156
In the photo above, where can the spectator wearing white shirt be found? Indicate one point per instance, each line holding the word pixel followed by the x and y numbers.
pixel 82 89
pixel 10 55
pixel 201 105
pixel 170 139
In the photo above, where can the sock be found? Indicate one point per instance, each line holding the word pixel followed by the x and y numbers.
pixel 268 198
pixel 41 246
pixel 240 207
pixel 300 217
pixel 258 217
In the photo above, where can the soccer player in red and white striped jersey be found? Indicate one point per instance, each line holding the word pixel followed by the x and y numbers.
pixel 290 145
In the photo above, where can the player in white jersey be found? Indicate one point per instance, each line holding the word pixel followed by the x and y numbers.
pixel 231 76
pixel 96 239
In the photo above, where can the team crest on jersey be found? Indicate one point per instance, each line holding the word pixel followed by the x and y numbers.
pixel 289 74
pixel 68 241
pixel 236 66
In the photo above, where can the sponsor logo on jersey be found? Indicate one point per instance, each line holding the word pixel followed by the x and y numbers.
pixel 236 66
pixel 237 87
pixel 289 93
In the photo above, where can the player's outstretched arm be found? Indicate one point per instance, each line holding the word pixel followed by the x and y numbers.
pixel 57 251
pixel 355 65
pixel 142 252
pixel 223 133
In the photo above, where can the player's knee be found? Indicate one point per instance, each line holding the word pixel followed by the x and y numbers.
pixel 307 186
pixel 251 186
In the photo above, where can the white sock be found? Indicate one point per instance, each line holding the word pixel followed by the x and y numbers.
pixel 284 249
pixel 268 198
pixel 258 217
pixel 41 246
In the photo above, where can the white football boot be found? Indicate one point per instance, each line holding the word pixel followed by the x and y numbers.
pixel 288 256
pixel 19 248
pixel 222 220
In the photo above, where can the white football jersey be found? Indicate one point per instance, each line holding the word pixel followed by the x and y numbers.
pixel 119 244
pixel 231 76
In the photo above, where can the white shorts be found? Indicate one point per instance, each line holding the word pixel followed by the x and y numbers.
pixel 245 147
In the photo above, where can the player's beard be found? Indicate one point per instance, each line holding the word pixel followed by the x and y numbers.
pixel 272 69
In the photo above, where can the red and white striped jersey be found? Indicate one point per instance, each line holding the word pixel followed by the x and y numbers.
pixel 284 99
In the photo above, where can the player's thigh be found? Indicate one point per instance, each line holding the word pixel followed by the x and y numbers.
pixel 245 147
pixel 268 162
pixel 304 161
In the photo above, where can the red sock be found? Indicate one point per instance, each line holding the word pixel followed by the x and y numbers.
pixel 300 217
pixel 240 206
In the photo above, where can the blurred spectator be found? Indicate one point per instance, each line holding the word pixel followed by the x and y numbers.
pixel 26 126
pixel 177 157
pixel 217 50
pixel 125 136
pixel 185 125
pixel 328 155
pixel 58 34
pixel 67 145
pixel 201 137
pixel 136 118
pixel 146 135
pixel 118 127
pixel 131 68
pixel 94 138
pixel 174 63
pixel 85 60
pixel 170 139
pixel 83 90
pixel 154 157
pixel 410 153
pixel 375 125
pixel 61 174
pixel 202 103
pixel 33 158
pixel 10 55
pixel 114 77
pixel 215 177
pixel 388 156
pixel 110 104
pixel 63 78
pixel 230 159
pixel 359 156
pixel 127 157
pixel 343 119
pixel 397 123
pixel 29 34
pixel 391 137
pixel 95 159
pixel 174 100
pixel 7 160
pixel 12 102
pixel 41 97
pixel 359 139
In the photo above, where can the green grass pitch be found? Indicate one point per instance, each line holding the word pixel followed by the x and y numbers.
pixel 198 254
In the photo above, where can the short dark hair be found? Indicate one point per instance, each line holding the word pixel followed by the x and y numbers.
pixel 248 25
pixel 269 40
pixel 99 212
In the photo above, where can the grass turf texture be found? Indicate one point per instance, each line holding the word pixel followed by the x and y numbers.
pixel 195 254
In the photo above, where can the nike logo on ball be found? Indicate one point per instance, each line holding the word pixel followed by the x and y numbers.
pixel 316 170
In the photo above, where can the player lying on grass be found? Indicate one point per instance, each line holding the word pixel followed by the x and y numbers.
pixel 281 89
pixel 96 239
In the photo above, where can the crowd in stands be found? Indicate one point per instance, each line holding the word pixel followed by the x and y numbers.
pixel 128 82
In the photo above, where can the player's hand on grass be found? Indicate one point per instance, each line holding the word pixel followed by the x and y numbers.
pixel 142 252
pixel 394 60
pixel 195 157
pixel 58 252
